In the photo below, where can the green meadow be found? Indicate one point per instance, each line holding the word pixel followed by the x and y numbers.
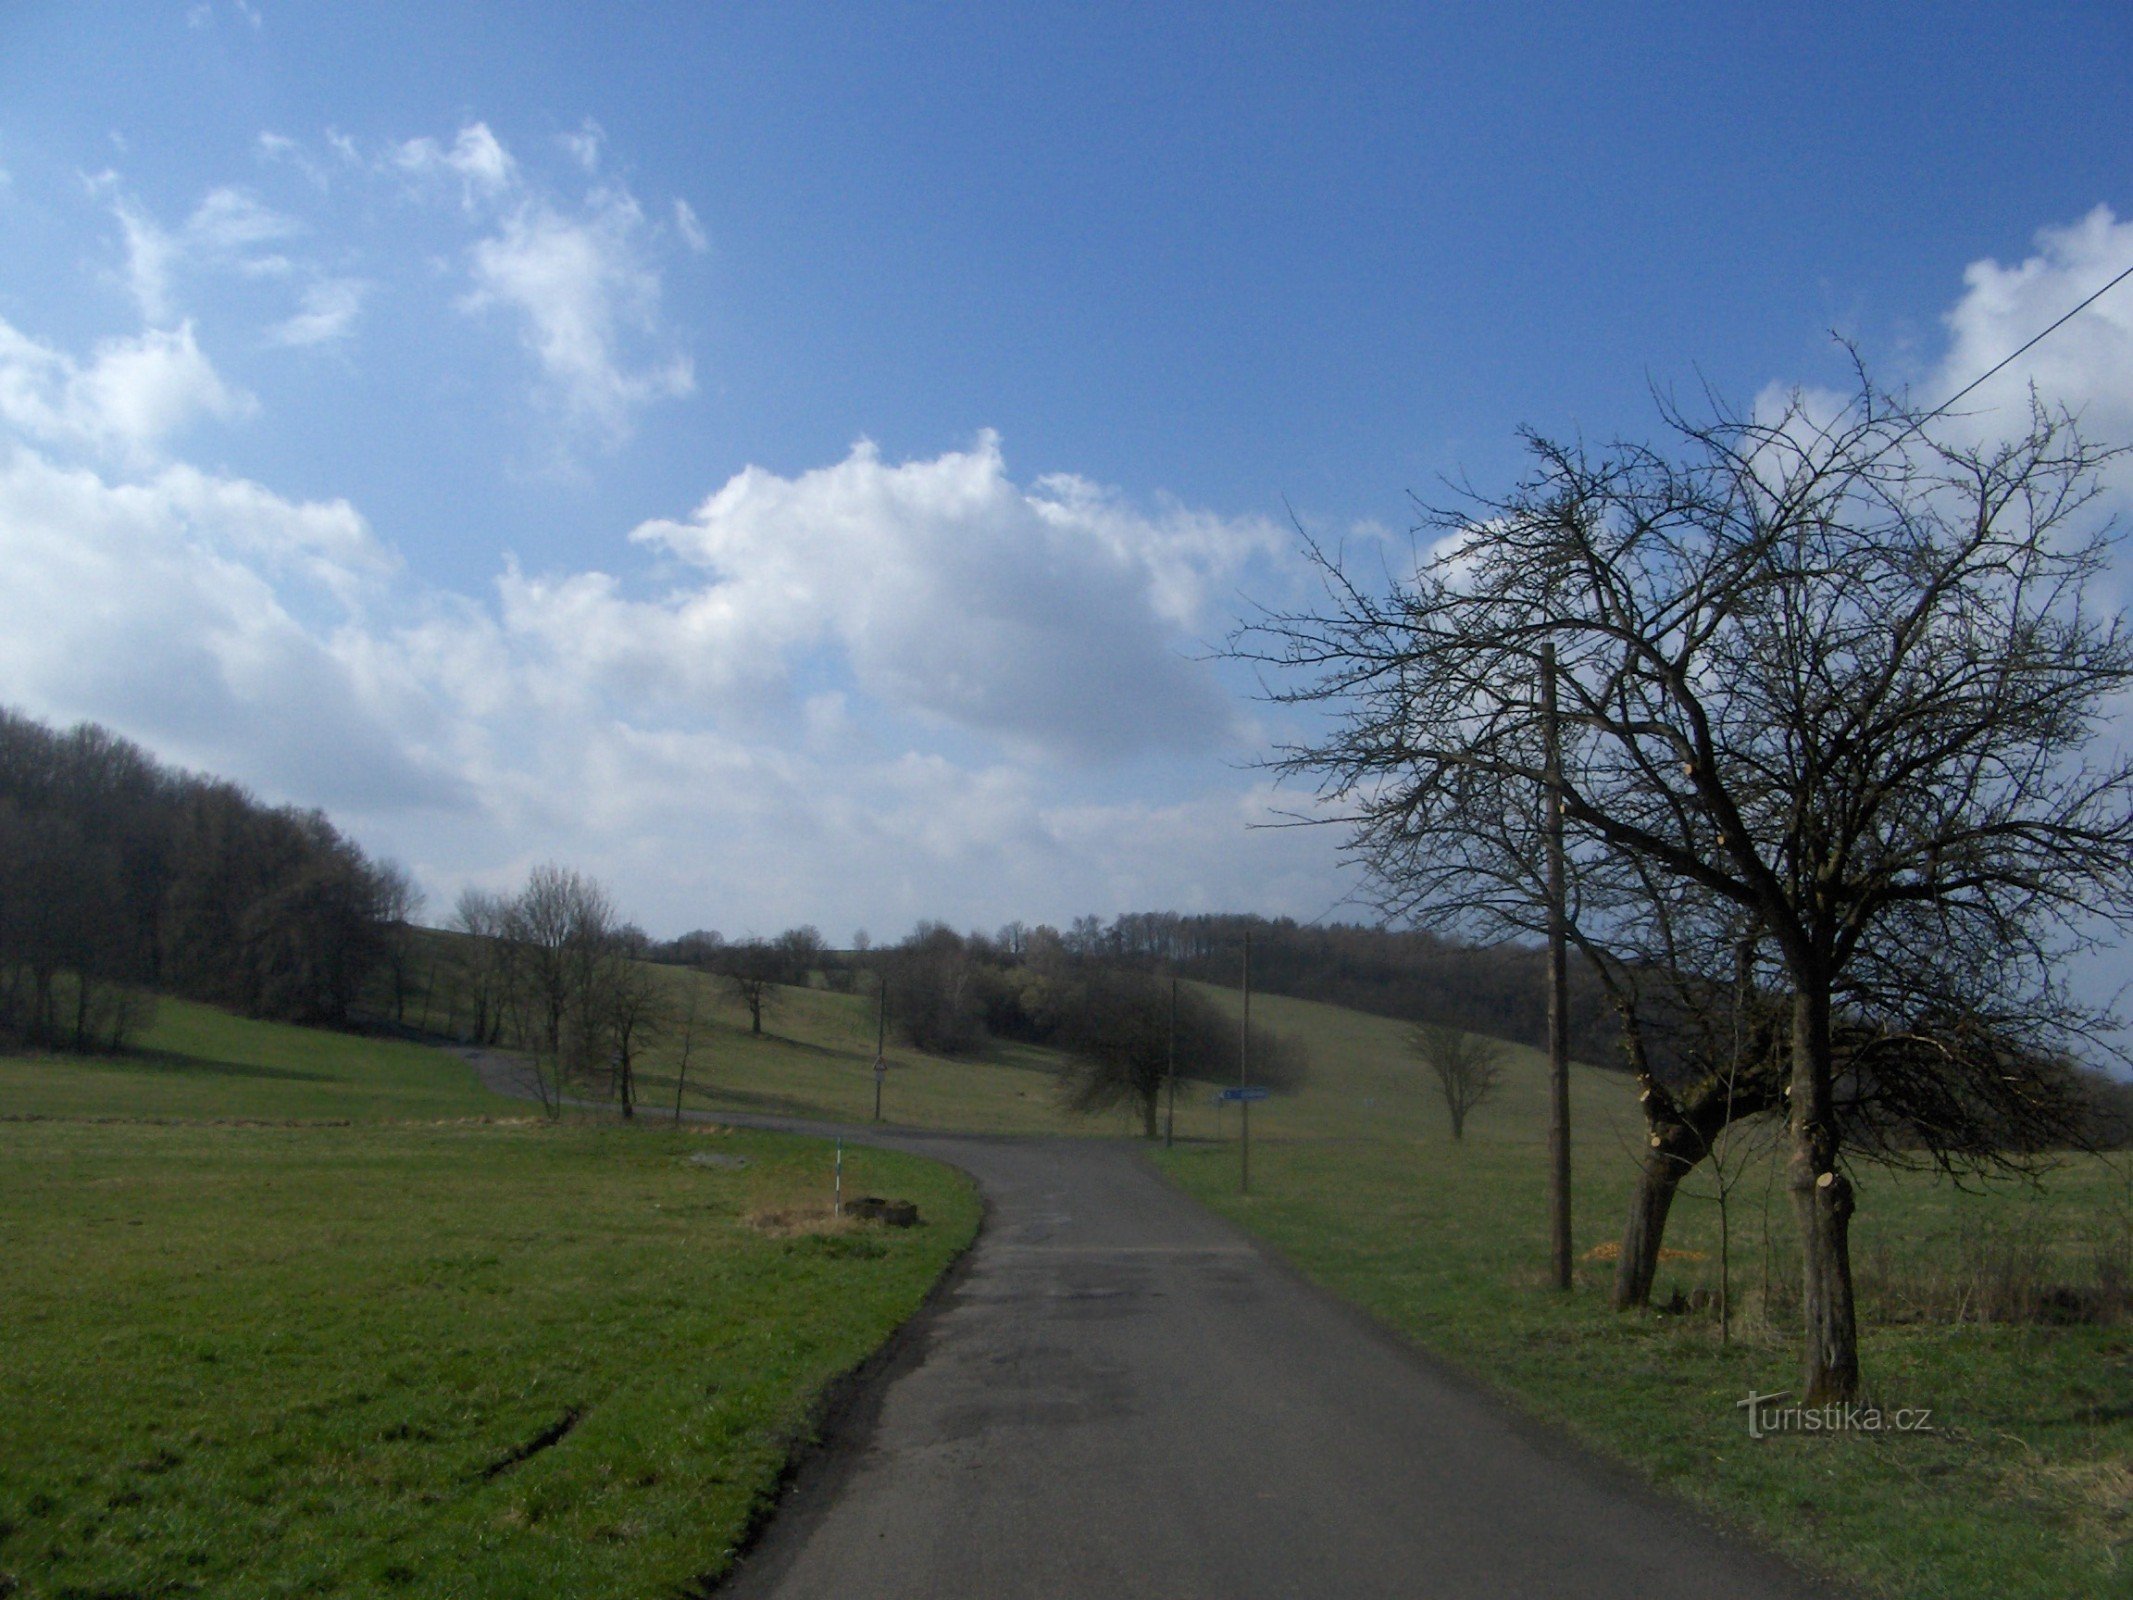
pixel 302 1313
pixel 332 1318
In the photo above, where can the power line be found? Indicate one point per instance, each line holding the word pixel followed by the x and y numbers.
pixel 2001 366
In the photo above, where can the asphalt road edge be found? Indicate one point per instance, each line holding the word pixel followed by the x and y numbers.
pixel 827 1446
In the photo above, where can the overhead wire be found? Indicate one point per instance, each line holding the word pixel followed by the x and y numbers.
pixel 2009 360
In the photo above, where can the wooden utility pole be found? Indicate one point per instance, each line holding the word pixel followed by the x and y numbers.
pixel 1170 1070
pixel 1558 979
pixel 1244 1074
pixel 881 1043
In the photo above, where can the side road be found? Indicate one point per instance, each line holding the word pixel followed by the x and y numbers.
pixel 1122 1395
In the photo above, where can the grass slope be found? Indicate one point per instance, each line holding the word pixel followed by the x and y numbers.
pixel 2024 1489
pixel 196 1062
pixel 426 1356
pixel 815 1058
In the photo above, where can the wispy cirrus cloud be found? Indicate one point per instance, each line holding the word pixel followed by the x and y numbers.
pixel 330 308
pixel 581 290
pixel 578 276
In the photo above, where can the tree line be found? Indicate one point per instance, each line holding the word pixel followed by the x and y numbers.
pixel 1123 1026
pixel 1412 974
pixel 121 877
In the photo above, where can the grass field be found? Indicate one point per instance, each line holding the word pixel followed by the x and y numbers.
pixel 340 1329
pixel 195 1062
pixel 815 1058
pixel 413 1353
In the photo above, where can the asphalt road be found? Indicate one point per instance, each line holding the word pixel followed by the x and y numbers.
pixel 1119 1395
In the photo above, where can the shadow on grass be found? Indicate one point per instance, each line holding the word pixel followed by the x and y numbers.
pixel 714 1099
pixel 181 1064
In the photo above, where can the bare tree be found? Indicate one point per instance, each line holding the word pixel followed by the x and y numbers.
pixel 1468 1068
pixel 1124 1038
pixel 630 1009
pixel 399 902
pixel 751 968
pixel 688 1045
pixel 483 962
pixel 559 931
pixel 1829 666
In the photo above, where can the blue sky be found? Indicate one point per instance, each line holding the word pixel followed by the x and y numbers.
pixel 790 460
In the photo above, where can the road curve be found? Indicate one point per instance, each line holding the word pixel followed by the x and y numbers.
pixel 1121 1395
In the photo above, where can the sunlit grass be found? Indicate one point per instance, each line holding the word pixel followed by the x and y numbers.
pixel 429 1353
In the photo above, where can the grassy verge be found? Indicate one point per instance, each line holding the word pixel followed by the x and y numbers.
pixel 424 1357
pixel 2025 1486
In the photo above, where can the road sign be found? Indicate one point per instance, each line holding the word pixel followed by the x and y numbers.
pixel 1244 1094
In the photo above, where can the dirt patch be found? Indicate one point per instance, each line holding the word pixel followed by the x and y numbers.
pixel 1611 1250
pixel 799 1222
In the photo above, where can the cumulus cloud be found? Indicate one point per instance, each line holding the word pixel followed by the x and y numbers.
pixel 1057 617
pixel 2087 365
pixel 155 605
pixel 131 396
pixel 835 710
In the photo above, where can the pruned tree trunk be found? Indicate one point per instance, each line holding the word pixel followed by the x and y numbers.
pixel 1659 1177
pixel 1822 1203
pixel 1681 1130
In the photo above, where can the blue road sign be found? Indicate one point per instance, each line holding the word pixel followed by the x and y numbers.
pixel 1244 1094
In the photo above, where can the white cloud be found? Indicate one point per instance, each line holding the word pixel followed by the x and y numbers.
pixel 155 606
pixel 229 229
pixel 1057 618
pixel 691 230
pixel 125 403
pixel 584 145
pixel 149 254
pixel 831 716
pixel 2087 365
pixel 580 287
pixel 229 222
pixel 330 309
pixel 476 158
pixel 278 147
